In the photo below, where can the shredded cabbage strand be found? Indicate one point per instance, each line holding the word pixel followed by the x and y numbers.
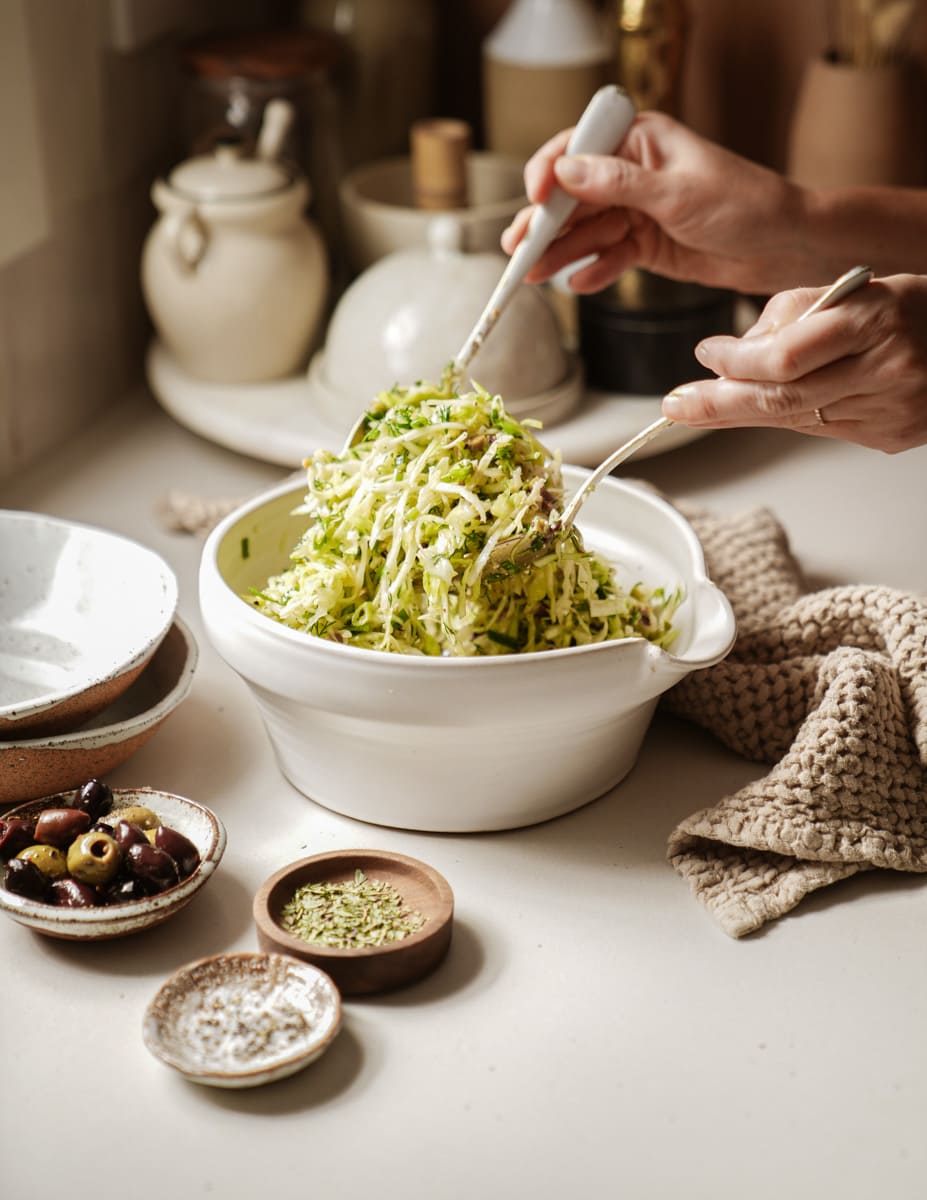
pixel 398 553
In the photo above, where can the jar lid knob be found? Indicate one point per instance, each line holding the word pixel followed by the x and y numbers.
pixel 440 147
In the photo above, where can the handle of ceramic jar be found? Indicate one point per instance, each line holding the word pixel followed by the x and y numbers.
pixel 184 229
pixel 601 129
pixel 188 238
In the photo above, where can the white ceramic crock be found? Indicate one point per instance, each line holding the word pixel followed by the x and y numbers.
pixel 460 744
pixel 234 274
pixel 407 316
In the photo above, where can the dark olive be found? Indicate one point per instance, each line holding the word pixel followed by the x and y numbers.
pixel 71 893
pixel 49 859
pixel 152 866
pixel 94 798
pixel 94 858
pixel 124 890
pixel 127 834
pixel 60 826
pixel 15 835
pixel 24 878
pixel 179 847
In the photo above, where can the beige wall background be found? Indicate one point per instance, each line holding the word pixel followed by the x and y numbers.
pixel 85 125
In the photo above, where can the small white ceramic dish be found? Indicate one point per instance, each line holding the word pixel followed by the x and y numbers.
pixel 34 767
pixel 240 1020
pixel 283 422
pixel 461 744
pixel 81 612
pixel 380 216
pixel 193 820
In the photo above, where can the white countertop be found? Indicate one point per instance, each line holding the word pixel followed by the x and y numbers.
pixel 592 1032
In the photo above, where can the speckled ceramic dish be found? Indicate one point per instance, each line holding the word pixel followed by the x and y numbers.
pixel 240 1020
pixel 35 767
pixel 366 969
pixel 82 610
pixel 193 820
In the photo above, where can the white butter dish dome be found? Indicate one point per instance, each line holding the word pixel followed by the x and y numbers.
pixel 406 317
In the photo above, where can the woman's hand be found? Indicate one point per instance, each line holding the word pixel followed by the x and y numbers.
pixel 857 371
pixel 675 204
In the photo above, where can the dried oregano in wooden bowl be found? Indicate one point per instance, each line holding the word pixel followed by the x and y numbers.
pixel 372 919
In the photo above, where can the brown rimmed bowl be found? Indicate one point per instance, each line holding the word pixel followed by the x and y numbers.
pixel 31 768
pixel 367 969
pixel 82 610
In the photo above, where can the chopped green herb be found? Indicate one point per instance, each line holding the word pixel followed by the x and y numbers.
pixel 350 913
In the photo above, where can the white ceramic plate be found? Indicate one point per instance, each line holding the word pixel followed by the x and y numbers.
pixel 281 422
pixel 239 1020
pixel 81 611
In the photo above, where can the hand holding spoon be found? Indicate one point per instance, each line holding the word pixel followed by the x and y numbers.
pixel 536 542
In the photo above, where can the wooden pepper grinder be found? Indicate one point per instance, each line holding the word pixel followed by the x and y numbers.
pixel 440 147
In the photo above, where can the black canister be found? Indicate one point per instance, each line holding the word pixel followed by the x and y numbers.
pixel 638 336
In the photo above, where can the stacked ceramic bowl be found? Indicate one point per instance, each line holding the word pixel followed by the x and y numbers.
pixel 92 655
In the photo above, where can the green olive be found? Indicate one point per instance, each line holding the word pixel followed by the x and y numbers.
pixel 94 857
pixel 151 834
pixel 137 814
pixel 49 859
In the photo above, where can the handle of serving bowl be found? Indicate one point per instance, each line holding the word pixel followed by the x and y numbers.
pixel 714 626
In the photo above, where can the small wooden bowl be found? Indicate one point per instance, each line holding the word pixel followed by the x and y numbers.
pixel 367 969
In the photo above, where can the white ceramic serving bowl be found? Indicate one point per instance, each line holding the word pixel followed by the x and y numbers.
pixel 380 216
pixel 193 820
pixel 82 610
pixel 460 744
pixel 37 766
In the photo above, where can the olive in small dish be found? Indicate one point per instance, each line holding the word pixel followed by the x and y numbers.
pixel 119 876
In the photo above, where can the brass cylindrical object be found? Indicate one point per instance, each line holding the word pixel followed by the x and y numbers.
pixel 650 37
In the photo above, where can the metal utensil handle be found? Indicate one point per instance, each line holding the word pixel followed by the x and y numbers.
pixel 616 457
pixel 602 128
pixel 847 283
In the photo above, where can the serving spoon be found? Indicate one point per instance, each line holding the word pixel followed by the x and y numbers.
pixel 602 128
pixel 536 541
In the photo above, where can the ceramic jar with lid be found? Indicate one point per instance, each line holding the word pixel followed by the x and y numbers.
pixel 406 317
pixel 542 63
pixel 234 274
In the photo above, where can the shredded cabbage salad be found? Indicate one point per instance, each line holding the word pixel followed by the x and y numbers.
pixel 404 548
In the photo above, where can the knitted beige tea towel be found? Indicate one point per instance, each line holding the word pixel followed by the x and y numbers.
pixel 831 688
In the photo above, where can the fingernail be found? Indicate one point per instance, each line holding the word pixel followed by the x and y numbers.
pixel 702 353
pixel 679 402
pixel 571 171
